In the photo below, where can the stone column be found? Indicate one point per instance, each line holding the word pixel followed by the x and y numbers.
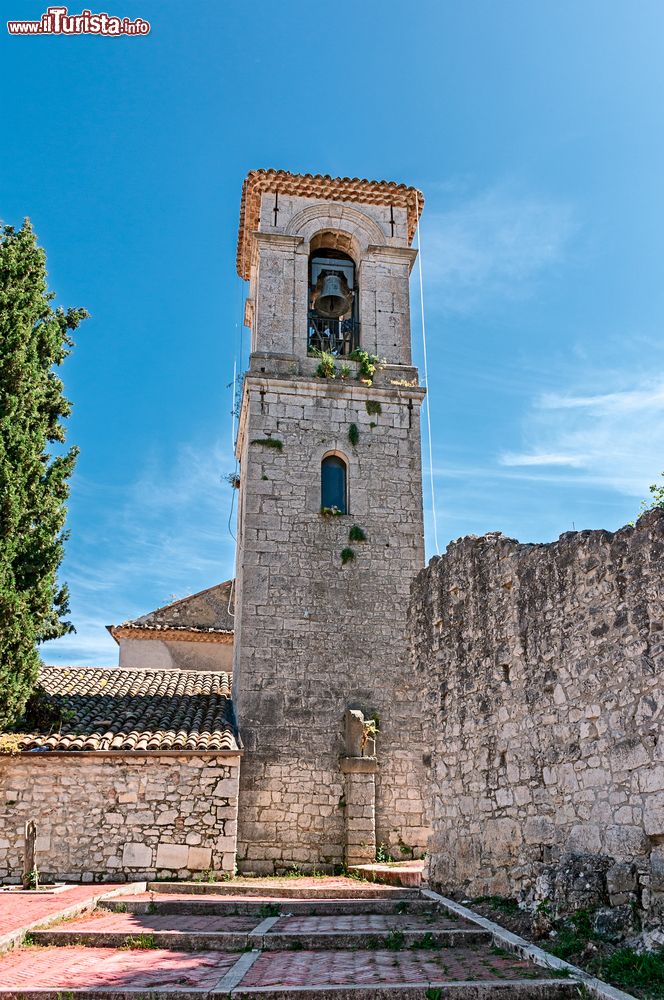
pixel 360 766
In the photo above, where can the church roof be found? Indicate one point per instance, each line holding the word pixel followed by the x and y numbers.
pixel 202 617
pixel 352 189
pixel 116 709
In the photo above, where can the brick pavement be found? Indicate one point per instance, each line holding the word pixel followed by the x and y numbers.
pixel 104 921
pixel 25 909
pixel 342 968
pixel 73 968
pixel 366 923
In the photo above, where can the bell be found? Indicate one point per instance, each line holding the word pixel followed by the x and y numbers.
pixel 335 297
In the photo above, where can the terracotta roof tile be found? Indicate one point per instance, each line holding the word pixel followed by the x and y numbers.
pixel 127 710
pixel 349 189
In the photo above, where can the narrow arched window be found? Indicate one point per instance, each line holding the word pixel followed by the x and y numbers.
pixel 333 484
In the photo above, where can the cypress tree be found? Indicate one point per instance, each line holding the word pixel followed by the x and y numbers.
pixel 35 338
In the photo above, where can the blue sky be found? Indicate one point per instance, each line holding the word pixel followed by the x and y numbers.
pixel 535 132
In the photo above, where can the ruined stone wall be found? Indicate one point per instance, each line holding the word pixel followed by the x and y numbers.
pixel 541 669
pixel 115 817
pixel 315 637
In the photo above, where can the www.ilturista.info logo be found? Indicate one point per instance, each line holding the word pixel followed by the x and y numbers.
pixel 57 21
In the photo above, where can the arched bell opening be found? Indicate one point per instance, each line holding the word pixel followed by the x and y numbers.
pixel 333 313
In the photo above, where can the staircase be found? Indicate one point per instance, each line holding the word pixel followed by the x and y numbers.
pixel 304 938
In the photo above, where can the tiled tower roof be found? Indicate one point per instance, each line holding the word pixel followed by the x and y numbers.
pixel 352 189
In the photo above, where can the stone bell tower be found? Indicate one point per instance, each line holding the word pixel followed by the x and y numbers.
pixel 330 532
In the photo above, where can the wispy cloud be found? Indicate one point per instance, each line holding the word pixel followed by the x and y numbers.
pixel 158 538
pixel 494 245
pixel 638 400
pixel 541 458
pixel 615 439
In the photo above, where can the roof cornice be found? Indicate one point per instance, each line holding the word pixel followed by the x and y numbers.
pixel 171 634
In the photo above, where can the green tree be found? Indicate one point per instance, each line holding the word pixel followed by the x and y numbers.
pixel 34 340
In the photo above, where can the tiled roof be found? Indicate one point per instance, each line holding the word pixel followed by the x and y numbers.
pixel 138 710
pixel 352 189
pixel 206 615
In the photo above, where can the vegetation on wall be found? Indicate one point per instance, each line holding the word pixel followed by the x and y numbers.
pixel 327 365
pixel 368 363
pixel 269 443
pixel 353 434
pixel 330 512
pixel 656 497
pixel 357 534
pixel 35 338
pixel 347 555
pixel 372 407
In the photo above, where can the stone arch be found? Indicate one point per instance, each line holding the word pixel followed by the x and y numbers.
pixel 316 220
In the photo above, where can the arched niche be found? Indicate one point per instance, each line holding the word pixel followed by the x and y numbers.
pixel 334 482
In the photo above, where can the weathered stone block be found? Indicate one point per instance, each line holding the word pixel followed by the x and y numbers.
pixel 653 818
pixel 137 856
pixel 172 855
pixel 227 789
pixel 199 858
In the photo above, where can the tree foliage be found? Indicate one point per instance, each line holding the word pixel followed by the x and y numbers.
pixel 34 339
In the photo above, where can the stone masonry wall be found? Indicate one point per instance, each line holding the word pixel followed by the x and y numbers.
pixel 119 817
pixel 314 637
pixel 541 666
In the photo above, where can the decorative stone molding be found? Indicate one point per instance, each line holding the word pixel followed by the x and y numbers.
pixel 394 255
pixel 277 241
pixel 320 218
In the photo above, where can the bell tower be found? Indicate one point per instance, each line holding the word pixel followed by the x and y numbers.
pixel 330 532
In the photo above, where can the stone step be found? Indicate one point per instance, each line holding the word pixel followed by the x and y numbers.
pixel 261 906
pixel 545 989
pixel 286 941
pixel 100 973
pixel 404 873
pixel 196 932
pixel 285 889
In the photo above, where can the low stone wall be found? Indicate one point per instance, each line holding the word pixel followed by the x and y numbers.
pixel 541 666
pixel 119 817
